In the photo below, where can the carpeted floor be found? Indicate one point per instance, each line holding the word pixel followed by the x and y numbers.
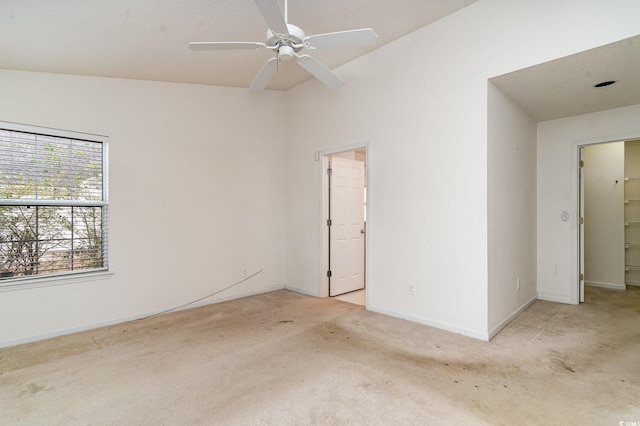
pixel 286 358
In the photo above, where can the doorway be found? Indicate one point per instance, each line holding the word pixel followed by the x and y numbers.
pixel 344 225
pixel 608 215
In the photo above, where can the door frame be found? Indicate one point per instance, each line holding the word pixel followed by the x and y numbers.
pixel 323 159
pixel 577 245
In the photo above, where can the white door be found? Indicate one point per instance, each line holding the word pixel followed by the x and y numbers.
pixel 346 233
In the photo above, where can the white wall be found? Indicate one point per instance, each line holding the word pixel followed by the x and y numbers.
pixel 557 191
pixel 511 160
pixel 196 195
pixel 421 104
pixel 604 215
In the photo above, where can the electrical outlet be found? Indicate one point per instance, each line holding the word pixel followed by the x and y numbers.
pixel 518 283
pixel 410 290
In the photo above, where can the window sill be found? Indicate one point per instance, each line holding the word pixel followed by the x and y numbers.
pixel 36 282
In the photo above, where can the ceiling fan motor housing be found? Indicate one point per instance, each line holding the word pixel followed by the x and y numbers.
pixel 293 40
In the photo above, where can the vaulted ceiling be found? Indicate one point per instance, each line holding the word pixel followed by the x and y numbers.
pixel 143 39
pixel 147 40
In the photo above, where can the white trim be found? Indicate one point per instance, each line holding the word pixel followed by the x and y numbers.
pixel 248 293
pixel 436 324
pixel 574 296
pixel 495 330
pixel 62 332
pixel 302 291
pixel 612 286
pixel 555 298
pixel 52 280
pixel 345 148
pixel 323 281
pixel 53 132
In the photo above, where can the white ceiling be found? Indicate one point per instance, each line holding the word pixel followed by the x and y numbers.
pixel 564 87
pixel 144 39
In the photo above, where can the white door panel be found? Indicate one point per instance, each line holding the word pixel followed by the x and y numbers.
pixel 346 240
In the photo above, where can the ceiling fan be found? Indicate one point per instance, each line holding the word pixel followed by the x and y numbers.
pixel 287 41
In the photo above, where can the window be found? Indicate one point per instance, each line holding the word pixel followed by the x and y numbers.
pixel 53 202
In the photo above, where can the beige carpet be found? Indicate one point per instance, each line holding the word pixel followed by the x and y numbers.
pixel 285 358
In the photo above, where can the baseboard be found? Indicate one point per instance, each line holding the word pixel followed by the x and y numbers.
pixel 301 290
pixel 206 302
pixel 554 298
pixel 91 326
pixel 606 285
pixel 436 324
pixel 495 330
pixel 65 331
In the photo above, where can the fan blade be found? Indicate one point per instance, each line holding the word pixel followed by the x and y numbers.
pixel 320 72
pixel 271 12
pixel 361 37
pixel 268 70
pixel 223 45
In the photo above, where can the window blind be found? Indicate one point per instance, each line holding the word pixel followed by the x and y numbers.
pixel 53 203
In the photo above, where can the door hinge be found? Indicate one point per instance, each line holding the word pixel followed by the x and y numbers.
pixel 582 221
pixel 329 274
pixel 581 163
pixel 329 171
pixel 329 223
pixel 581 277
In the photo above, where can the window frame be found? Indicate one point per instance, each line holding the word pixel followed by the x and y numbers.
pixel 64 277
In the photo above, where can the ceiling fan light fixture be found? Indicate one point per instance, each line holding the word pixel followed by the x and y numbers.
pixel 285 53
